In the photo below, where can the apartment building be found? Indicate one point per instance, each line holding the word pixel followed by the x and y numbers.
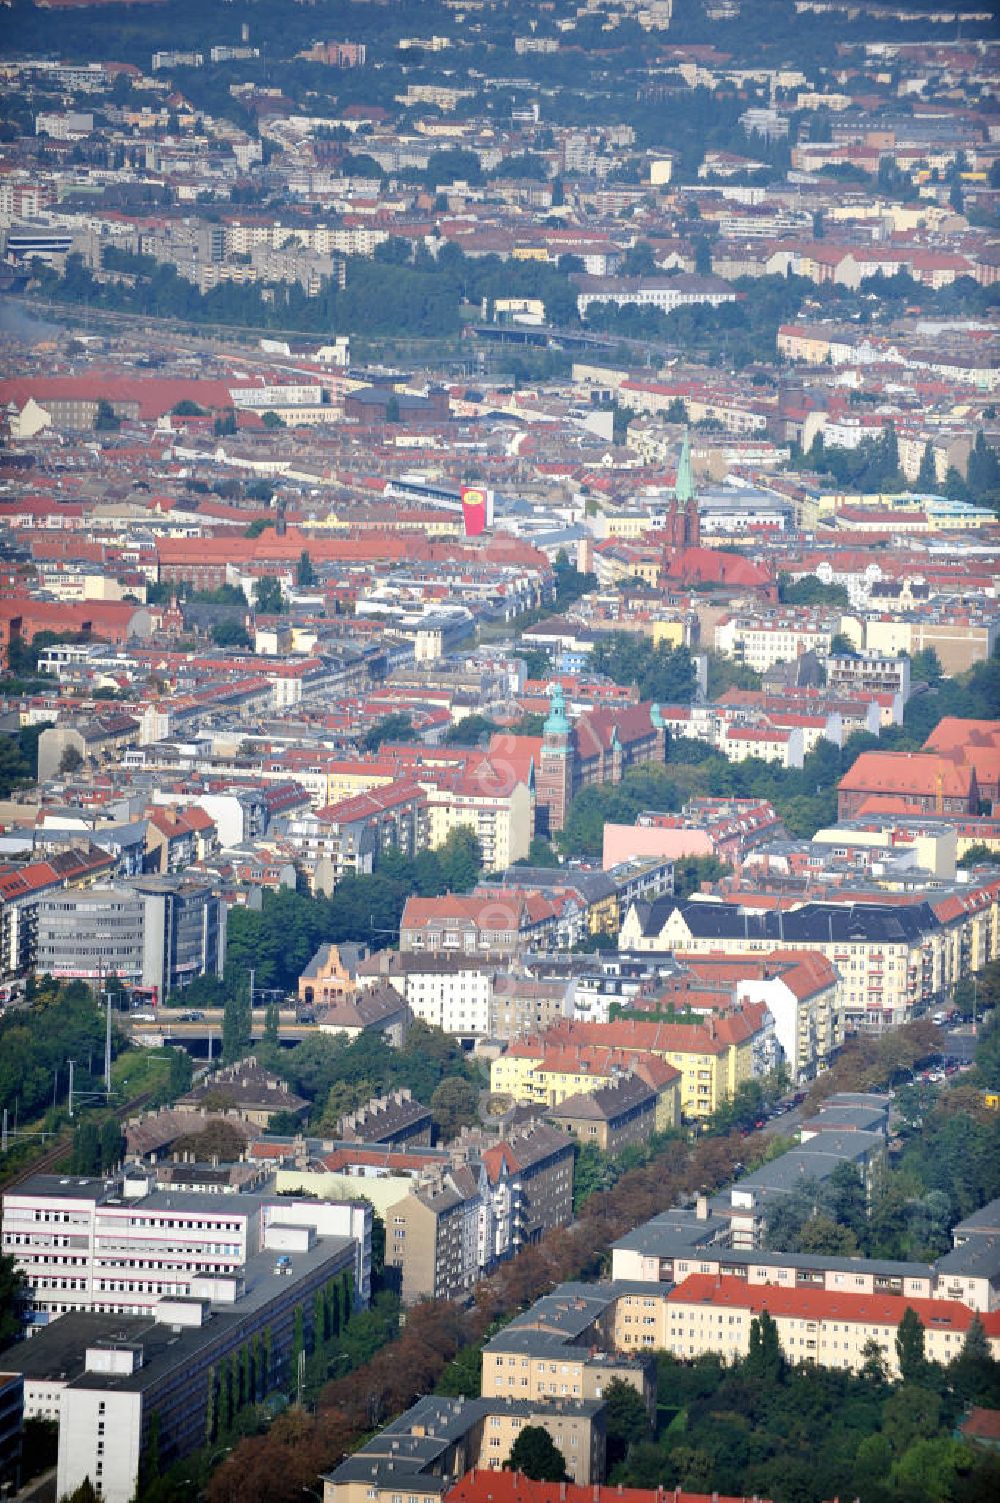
pixel 709 1060
pixel 663 293
pixel 816 1326
pixel 451 992
pixel 251 1093
pixel 433 1234
pixel 671 1259
pixel 21 891
pixel 438 1439
pixel 759 642
pixel 970 1272
pixel 350 836
pixel 746 1204
pixel 394 1120
pixel 868 672
pixel 613 1117
pixel 530 1188
pixel 960 641
pixel 799 988
pixel 528 1004
pixel 563 1348
pixel 499 810
pixel 765 740
pixel 891 959
pixel 495 927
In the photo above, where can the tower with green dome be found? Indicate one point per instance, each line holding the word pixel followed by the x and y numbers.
pixel 554 788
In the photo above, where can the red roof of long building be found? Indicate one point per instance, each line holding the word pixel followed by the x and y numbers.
pixel 488 1486
pixel 806 1303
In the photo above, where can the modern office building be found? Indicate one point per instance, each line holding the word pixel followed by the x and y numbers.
pixel 115 1381
pixel 116 1246
pixel 158 932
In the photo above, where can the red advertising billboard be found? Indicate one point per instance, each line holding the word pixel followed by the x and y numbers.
pixel 477 509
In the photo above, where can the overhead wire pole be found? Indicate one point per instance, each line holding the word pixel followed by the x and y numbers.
pixel 107 1046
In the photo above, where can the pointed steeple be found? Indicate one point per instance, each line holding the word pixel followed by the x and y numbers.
pixel 684 484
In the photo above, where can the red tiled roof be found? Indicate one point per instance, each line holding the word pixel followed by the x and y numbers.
pixel 488 1486
pixel 824 1304
pixel 907 773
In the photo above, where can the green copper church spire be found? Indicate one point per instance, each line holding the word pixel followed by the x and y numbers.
pixel 556 723
pixel 684 484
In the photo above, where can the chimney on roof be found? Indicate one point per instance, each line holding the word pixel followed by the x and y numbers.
pixel 701 1208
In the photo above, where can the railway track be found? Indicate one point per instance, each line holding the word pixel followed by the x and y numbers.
pixel 49 1160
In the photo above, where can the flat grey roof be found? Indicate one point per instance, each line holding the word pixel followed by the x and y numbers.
pixel 59 1349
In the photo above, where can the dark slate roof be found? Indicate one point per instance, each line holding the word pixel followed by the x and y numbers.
pixel 814 923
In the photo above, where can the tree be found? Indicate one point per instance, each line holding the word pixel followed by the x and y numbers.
pixel 272 1023
pixel 910 1353
pixel 625 1417
pixel 111 1144
pixel 272 419
pixel 71 761
pixel 536 1455
pixel 15 1299
pixel 454 1105
pixel 470 730
pixel 186 408
pixel 461 859
pixel 395 727
pixel 85 1493
pixel 230 632
pixel 874 1368
pixel 927 479
pixel 925 667
pixel 821 1235
pixel 765 1363
pixel 691 871
pixel 236 1025
pixel 974 1375
pixel 809 590
pixel 267 594
pixel 106 419
pixel 15 770
pixel 976 855
pixel 305 574
pixel 909 1413
pixel 86 1149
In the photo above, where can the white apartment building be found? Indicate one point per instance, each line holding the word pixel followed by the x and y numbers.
pixel 761 641
pixel 769 743
pixel 453 998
